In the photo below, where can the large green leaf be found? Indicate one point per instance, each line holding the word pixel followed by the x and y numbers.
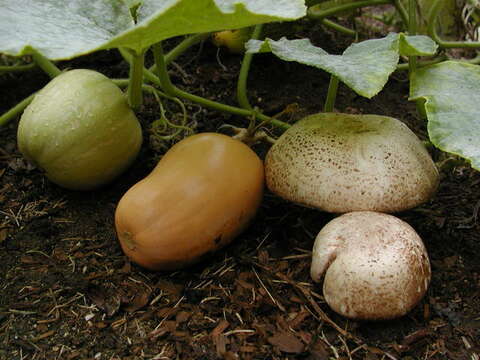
pixel 452 93
pixel 163 19
pixel 364 67
pixel 62 29
pixel 417 45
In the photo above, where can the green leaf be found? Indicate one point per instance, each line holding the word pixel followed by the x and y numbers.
pixel 417 45
pixel 452 102
pixel 62 29
pixel 365 67
pixel 163 19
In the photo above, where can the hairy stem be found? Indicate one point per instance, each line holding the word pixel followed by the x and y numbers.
pixel 406 66
pixel 432 30
pixel 332 94
pixel 412 30
pixel 316 12
pixel 134 91
pixel 17 68
pixel 181 48
pixel 401 11
pixel 147 74
pixel 242 97
pixel 17 109
pixel 161 69
pixel 172 90
pixel 45 64
pixel 340 28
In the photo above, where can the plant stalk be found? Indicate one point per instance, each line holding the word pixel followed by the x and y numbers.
pixel 315 12
pixel 432 30
pixel 412 60
pixel 401 11
pixel 173 91
pixel 45 64
pixel 406 66
pixel 242 96
pixel 17 109
pixel 412 30
pixel 147 74
pixel 181 48
pixel 134 91
pixel 332 94
pixel 161 69
pixel 17 68
pixel 337 27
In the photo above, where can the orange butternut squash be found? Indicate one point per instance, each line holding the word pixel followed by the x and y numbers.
pixel 200 196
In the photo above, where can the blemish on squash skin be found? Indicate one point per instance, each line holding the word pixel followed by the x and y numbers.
pixel 218 240
pixel 127 239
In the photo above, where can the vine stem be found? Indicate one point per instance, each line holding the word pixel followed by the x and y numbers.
pixel 134 91
pixel 332 94
pixel 337 27
pixel 173 91
pixel 242 97
pixel 17 68
pixel 406 66
pixel 147 74
pixel 412 30
pixel 17 109
pixel 183 46
pixel 315 11
pixel 45 64
pixel 432 30
pixel 401 10
pixel 412 60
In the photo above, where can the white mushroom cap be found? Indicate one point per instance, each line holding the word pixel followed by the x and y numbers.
pixel 341 163
pixel 376 266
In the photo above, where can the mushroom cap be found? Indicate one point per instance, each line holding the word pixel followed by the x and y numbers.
pixel 341 163
pixel 376 266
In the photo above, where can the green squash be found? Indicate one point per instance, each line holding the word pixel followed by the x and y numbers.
pixel 80 130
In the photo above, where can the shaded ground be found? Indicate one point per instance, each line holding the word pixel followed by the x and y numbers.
pixel 68 292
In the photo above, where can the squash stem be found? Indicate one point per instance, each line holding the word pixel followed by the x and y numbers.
pixel 316 11
pixel 17 109
pixel 147 74
pixel 17 68
pixel 412 30
pixel 406 66
pixel 242 97
pixel 337 27
pixel 134 91
pixel 432 30
pixel 161 69
pixel 181 48
pixel 401 11
pixel 412 60
pixel 45 64
pixel 174 91
pixel 332 94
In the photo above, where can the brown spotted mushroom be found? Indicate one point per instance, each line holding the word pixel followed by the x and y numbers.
pixel 376 266
pixel 342 162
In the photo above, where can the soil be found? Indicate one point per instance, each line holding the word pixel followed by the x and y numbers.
pixel 68 292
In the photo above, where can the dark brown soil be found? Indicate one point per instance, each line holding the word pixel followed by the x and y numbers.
pixel 68 292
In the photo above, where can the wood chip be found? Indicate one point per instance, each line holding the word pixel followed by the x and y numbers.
pixel 287 342
pixel 44 335
pixel 220 328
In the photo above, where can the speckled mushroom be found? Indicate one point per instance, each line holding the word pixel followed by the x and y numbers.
pixel 341 163
pixel 376 266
